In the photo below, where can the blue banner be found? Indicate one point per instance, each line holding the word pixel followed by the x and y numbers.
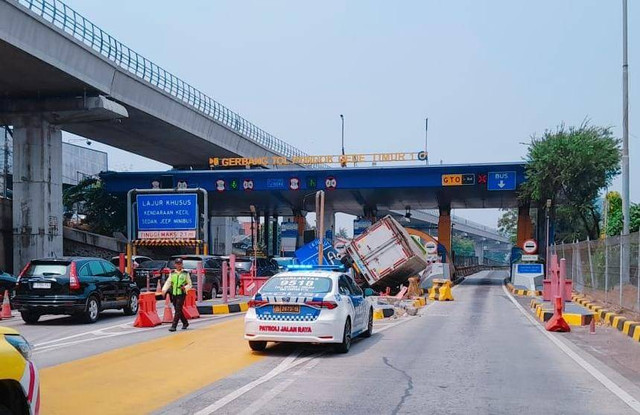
pixel 162 212
pixel 308 254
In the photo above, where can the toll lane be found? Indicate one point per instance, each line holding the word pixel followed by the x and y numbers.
pixel 478 354
pixel 146 376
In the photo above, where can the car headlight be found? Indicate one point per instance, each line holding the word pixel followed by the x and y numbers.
pixel 20 343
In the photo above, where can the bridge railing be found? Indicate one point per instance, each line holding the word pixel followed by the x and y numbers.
pixel 76 25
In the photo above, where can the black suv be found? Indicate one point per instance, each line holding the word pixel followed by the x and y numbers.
pixel 75 286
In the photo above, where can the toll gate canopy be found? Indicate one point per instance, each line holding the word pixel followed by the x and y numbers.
pixel 355 190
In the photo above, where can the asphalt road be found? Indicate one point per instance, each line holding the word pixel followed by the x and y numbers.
pixel 60 339
pixel 479 354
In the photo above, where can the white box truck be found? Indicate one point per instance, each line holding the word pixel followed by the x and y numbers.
pixel 385 255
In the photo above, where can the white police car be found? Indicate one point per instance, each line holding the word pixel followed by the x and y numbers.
pixel 308 305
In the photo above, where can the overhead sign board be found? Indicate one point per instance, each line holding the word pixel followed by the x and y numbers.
pixel 530 246
pixel 342 159
pixel 501 180
pixel 163 215
pixel 463 179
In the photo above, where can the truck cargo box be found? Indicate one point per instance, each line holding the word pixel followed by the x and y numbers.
pixel 385 254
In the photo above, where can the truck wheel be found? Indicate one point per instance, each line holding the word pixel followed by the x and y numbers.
pixel 346 339
pixel 257 346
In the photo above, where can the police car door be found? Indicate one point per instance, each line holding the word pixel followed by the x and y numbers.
pixel 357 301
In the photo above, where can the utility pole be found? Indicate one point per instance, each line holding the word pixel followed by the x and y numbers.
pixel 342 163
pixel 5 170
pixel 625 124
pixel 426 140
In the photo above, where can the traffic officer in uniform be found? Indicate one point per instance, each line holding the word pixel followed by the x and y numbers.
pixel 178 283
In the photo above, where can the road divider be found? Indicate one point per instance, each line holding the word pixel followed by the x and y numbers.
pixel 440 290
pixel 523 292
pixel 626 326
pixel 147 311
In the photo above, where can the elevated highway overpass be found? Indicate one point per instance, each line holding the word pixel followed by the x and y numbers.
pixel 58 71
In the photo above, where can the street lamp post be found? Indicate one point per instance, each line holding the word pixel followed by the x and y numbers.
pixel 625 124
pixel 342 119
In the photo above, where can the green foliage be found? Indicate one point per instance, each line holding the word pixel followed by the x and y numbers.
pixel 614 221
pixel 342 233
pixel 462 246
pixel 508 224
pixel 571 166
pixel 104 213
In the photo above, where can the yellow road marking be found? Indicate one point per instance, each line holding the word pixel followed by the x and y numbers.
pixel 144 377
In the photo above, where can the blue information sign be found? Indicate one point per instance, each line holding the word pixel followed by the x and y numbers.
pixel 529 269
pixel 501 180
pixel 162 212
pixel 308 254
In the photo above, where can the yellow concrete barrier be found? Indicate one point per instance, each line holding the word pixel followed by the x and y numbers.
pixel 445 293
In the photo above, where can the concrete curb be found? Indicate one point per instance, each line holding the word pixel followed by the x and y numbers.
pixel 524 293
pixel 223 308
pixel 629 327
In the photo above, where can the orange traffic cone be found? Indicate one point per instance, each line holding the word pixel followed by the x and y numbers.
pixel 167 317
pixel 6 307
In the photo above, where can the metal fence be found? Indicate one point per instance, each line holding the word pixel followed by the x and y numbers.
pixel 76 25
pixel 606 269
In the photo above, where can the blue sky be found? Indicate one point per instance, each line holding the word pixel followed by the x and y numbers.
pixel 487 74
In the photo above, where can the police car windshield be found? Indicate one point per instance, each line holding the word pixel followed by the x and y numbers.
pixel 301 284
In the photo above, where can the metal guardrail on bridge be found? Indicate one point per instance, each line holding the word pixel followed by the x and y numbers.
pixel 76 25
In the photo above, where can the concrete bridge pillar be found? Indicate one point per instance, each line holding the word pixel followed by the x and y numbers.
pixel 478 247
pixel 37 191
pixel 444 228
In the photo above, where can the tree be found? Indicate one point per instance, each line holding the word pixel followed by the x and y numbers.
pixel 570 166
pixel 342 233
pixel 462 246
pixel 508 224
pixel 613 225
pixel 104 212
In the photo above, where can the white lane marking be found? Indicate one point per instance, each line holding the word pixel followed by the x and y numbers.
pixel 100 334
pixel 259 403
pixel 286 364
pixel 599 376
pixel 281 368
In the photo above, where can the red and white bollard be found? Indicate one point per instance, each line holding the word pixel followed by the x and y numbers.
pixel 232 279
pixel 225 281
pixel 200 279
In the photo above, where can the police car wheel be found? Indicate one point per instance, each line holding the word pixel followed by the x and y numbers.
pixel 346 339
pixel 369 330
pixel 257 346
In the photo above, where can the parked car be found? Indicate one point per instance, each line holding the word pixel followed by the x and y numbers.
pixel 81 286
pixel 136 259
pixel 7 283
pixel 156 270
pixel 212 284
pixel 19 377
pixel 284 262
pixel 267 267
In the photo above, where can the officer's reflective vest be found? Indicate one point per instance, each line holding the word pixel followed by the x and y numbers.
pixel 178 279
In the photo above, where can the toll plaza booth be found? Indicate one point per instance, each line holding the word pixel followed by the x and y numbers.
pixel 369 193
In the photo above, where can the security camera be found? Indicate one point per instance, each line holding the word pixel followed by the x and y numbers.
pixel 88 142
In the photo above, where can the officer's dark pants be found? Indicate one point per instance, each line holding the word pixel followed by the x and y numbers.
pixel 178 302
